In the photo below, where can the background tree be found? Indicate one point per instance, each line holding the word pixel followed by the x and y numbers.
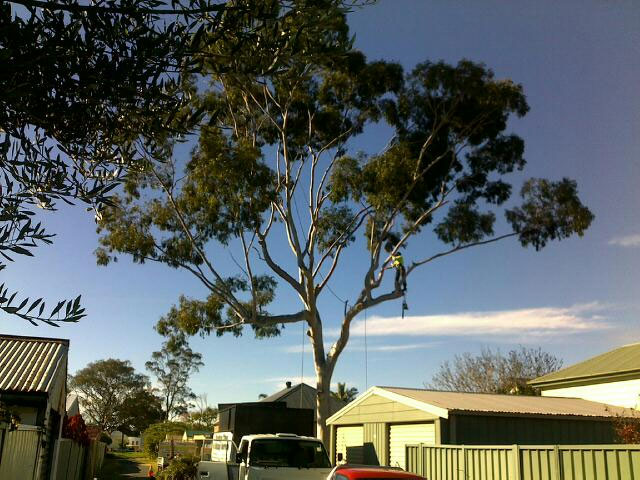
pixel 345 394
pixel 106 438
pixel 204 415
pixel 156 433
pixel 140 410
pixel 493 372
pixel 278 147
pixel 89 85
pixel 172 366
pixel 105 386
pixel 203 420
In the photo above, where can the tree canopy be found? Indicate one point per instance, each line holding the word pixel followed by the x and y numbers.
pixel 156 433
pixel 91 87
pixel 345 394
pixel 172 366
pixel 492 372
pixel 280 143
pixel 114 396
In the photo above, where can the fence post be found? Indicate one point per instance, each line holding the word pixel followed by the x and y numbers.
pixel 464 463
pixel 420 459
pixel 556 461
pixel 517 474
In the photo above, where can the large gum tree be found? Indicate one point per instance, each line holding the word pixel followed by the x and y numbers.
pixel 274 175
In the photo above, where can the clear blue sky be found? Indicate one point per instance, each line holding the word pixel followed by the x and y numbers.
pixel 579 62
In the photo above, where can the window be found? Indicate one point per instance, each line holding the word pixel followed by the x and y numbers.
pixel 289 453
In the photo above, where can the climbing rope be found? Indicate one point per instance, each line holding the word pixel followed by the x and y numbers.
pixel 366 353
pixel 302 362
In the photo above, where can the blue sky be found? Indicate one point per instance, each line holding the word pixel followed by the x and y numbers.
pixel 579 63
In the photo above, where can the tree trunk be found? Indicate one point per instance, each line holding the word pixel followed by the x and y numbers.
pixel 323 397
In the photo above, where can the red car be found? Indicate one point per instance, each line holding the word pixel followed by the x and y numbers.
pixel 347 472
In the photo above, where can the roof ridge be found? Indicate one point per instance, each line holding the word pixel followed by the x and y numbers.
pixel 29 338
pixel 611 362
pixel 483 393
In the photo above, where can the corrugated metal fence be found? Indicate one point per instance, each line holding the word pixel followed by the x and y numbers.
pixel 76 462
pixel 70 460
pixel 505 462
pixel 19 451
pixel 95 457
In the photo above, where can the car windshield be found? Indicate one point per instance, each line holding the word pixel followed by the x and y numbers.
pixel 288 453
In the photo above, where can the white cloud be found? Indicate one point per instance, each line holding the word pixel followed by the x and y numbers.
pixel 391 348
pixel 359 347
pixel 531 322
pixel 626 241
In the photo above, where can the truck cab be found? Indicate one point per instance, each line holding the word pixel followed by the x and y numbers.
pixel 264 457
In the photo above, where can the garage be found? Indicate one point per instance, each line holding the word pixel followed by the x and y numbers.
pixel 349 442
pixel 408 434
pixel 375 428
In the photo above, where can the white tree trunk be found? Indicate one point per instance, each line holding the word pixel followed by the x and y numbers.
pixel 323 387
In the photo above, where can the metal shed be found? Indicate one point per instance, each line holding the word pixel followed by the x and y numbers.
pixel 33 376
pixel 375 427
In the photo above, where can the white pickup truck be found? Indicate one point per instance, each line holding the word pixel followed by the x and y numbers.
pixel 264 457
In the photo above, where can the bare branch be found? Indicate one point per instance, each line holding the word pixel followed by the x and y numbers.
pixel 458 248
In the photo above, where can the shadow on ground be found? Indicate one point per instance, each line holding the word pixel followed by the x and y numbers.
pixel 118 468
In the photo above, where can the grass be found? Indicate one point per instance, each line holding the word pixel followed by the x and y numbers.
pixel 138 456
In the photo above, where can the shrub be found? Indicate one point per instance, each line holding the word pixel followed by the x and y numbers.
pixel 105 438
pixel 180 468
pixel 75 429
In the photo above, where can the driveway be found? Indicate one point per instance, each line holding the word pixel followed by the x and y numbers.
pixel 118 468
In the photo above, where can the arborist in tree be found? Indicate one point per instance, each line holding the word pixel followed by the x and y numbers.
pixel 401 274
pixel 397 262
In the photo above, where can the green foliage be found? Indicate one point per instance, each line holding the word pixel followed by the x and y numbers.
pixel 181 468
pixel 139 410
pixel 68 120
pixel 551 210
pixel 156 433
pixel 172 366
pixel 95 89
pixel 345 394
pixel 107 388
pixel 278 142
pixel 106 438
pixel 204 419
pixel 9 416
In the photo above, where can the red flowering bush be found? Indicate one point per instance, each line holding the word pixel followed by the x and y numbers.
pixel 75 429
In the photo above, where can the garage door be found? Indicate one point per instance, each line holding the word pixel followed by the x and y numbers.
pixel 401 435
pixel 349 441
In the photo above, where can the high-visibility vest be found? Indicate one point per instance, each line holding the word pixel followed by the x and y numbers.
pixel 398 261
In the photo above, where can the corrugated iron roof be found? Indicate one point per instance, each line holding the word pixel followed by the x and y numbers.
pixel 622 360
pixel 301 396
pixel 510 404
pixel 30 364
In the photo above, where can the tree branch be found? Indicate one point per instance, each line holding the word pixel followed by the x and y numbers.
pixel 414 265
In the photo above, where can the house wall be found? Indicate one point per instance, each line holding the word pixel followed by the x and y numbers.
pixel 376 414
pixel 56 409
pixel 376 409
pixel 498 430
pixel 623 393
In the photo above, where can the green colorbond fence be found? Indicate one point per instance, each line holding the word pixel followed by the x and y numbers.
pixel 526 462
